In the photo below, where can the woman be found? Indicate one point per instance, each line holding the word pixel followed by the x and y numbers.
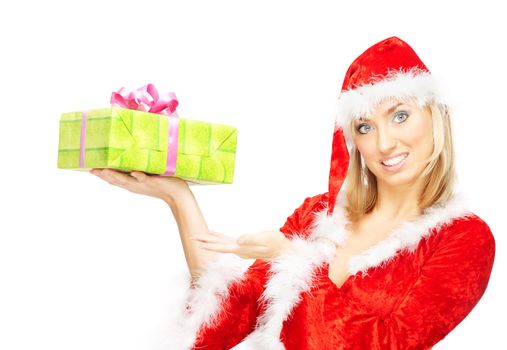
pixel 395 261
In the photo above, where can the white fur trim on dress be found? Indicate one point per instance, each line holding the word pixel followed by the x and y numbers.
pixel 206 297
pixel 404 237
pixel 408 84
pixel 291 275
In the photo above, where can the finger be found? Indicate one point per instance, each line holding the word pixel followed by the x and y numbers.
pixel 218 247
pixel 221 237
pixel 117 178
pixel 246 239
pixel 244 251
pixel 253 252
pixel 207 238
pixel 100 173
pixel 139 175
pixel 252 239
pixel 96 171
pixel 253 249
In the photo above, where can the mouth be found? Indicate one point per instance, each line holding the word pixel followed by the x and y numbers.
pixel 395 162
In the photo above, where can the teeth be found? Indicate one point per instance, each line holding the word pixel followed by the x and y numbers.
pixel 394 161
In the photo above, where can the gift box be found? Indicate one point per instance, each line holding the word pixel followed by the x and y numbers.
pixel 128 139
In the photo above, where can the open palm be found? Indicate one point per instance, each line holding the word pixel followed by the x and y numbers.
pixel 262 245
pixel 163 187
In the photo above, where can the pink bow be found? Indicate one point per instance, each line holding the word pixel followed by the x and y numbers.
pixel 145 98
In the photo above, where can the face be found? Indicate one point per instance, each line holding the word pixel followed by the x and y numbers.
pixel 395 141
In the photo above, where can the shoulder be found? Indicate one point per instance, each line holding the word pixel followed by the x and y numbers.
pixel 463 219
pixel 470 228
pixel 459 267
pixel 313 203
pixel 468 238
pixel 454 226
pixel 303 216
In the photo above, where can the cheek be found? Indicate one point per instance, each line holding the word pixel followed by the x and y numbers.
pixel 419 134
pixel 367 147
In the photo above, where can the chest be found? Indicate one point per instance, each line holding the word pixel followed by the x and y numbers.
pixel 361 237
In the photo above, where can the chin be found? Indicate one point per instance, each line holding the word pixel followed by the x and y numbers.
pixel 402 178
pixel 399 181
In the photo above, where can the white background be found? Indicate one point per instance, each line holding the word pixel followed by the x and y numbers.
pixel 86 265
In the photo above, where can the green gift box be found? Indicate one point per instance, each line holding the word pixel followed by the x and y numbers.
pixel 127 140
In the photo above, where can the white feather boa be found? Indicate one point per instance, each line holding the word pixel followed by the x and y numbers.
pixel 291 274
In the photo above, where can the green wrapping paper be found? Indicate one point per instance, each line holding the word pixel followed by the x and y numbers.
pixel 127 140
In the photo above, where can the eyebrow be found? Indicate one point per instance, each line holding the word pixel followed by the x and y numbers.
pixel 389 111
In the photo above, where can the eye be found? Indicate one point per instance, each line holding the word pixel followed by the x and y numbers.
pixel 400 117
pixel 363 128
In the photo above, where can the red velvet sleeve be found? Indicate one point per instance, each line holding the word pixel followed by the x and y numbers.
pixel 230 306
pixel 451 282
pixel 238 312
pixel 223 306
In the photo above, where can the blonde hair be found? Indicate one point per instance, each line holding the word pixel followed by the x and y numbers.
pixel 439 174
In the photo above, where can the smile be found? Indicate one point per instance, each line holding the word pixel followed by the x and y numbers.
pixel 394 163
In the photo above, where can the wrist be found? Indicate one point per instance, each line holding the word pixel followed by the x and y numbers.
pixel 172 199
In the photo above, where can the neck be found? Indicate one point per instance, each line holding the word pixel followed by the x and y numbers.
pixel 398 202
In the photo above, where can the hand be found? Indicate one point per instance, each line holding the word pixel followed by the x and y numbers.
pixel 263 245
pixel 164 187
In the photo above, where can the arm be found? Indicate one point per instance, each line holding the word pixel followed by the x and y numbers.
pixel 221 295
pixel 234 315
pixel 450 284
pixel 216 279
pixel 222 305
pixel 190 221
pixel 176 193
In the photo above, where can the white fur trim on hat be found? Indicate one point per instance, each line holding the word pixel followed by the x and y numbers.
pixel 413 83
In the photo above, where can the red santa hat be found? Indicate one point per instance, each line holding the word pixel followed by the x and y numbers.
pixel 388 69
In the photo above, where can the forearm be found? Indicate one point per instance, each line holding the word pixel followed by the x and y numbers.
pixel 191 222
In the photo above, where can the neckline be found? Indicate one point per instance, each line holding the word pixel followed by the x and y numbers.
pixel 348 232
pixel 334 285
pixel 404 236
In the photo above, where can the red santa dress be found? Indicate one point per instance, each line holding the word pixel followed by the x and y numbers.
pixel 406 292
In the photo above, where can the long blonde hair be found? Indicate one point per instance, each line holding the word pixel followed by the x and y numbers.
pixel 439 174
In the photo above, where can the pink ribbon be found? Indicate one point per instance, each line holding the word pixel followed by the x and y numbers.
pixel 146 98
pixel 82 140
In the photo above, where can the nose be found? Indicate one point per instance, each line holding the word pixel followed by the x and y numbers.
pixel 386 142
